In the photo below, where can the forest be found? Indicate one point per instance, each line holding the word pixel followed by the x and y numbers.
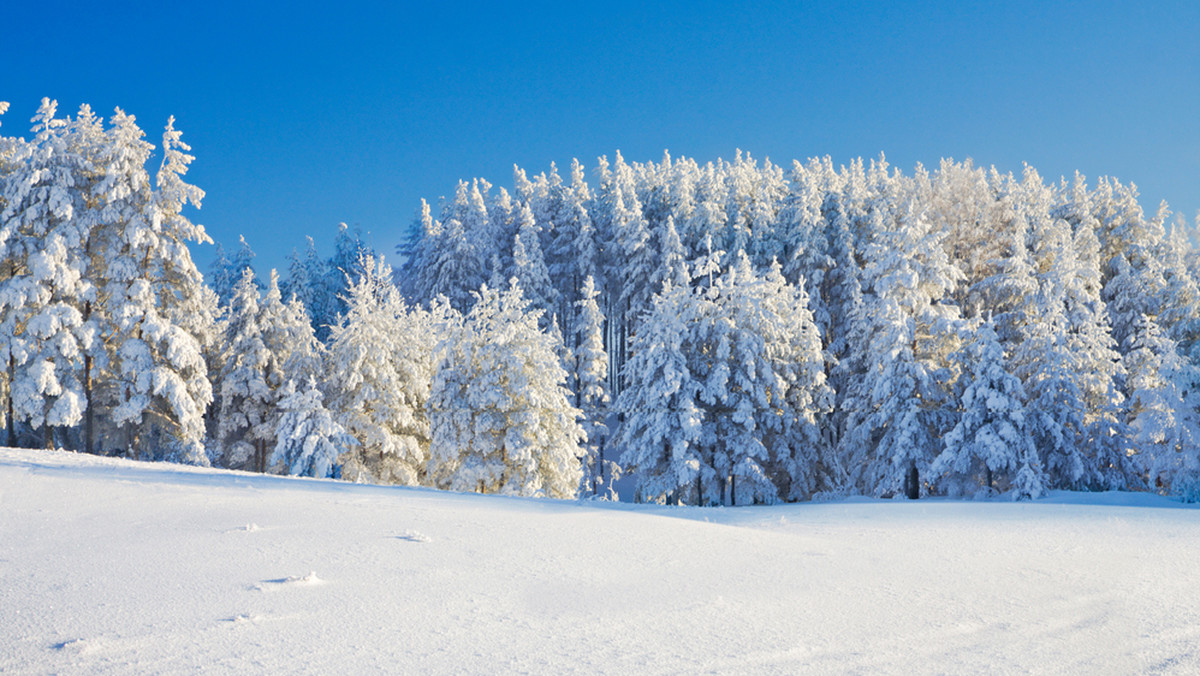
pixel 726 333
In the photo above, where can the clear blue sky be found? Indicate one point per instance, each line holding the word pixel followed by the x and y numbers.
pixel 304 116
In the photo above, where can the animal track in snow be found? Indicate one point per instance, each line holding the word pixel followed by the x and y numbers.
pixel 310 580
pixel 414 536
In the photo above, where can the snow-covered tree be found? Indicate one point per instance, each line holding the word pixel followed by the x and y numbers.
pixel 908 330
pixel 247 418
pixel 661 430
pixel 158 368
pixel 379 368
pixel 1163 419
pixel 990 446
pixel 590 378
pixel 309 440
pixel 502 421
pixel 529 266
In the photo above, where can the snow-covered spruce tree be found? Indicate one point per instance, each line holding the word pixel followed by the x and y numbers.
pixel 379 368
pixel 453 263
pixel 350 253
pixel 9 150
pixel 1163 419
pixel 219 272
pixel 529 266
pixel 1180 302
pixel 660 431
pixel 246 422
pixel 288 335
pixel 726 385
pixel 770 392
pixel 43 283
pixel 990 446
pixel 908 329
pixel 308 439
pixel 157 366
pixel 306 284
pixel 591 391
pixel 501 418
pixel 571 256
pixel 1067 264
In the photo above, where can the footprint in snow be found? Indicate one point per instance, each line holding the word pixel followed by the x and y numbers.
pixel 414 536
pixel 248 528
pixel 310 580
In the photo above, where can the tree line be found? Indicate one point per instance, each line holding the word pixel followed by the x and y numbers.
pixel 723 333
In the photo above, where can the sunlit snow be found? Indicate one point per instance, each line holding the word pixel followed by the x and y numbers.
pixel 112 566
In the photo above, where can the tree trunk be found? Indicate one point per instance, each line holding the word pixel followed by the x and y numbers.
pixel 912 483
pixel 598 475
pixel 88 411
pixel 48 437
pixel 989 479
pixel 12 423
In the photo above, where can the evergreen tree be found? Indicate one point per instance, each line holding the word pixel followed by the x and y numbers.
pixel 309 439
pixel 379 370
pixel 660 432
pixel 529 266
pixel 157 366
pixel 990 446
pixel 1163 420
pixel 247 417
pixel 591 391
pixel 502 422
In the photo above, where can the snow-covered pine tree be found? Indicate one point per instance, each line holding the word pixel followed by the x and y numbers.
pixel 501 418
pixel 774 392
pixel 454 263
pixel 41 241
pixel 591 391
pixel 990 446
pixel 1180 301
pixel 1163 421
pixel 309 440
pixel 529 266
pixel 661 419
pixel 227 272
pixel 246 422
pixel 379 368
pixel 293 352
pixel 158 369
pixel 220 274
pixel 571 256
pixel 673 265
pixel 349 254
pixel 909 328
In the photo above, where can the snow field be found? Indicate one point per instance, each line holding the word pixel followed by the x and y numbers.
pixel 111 566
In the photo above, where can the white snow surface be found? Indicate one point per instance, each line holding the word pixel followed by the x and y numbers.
pixel 113 566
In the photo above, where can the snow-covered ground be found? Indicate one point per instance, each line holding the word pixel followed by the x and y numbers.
pixel 115 566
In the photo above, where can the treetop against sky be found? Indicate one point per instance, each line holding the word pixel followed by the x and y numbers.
pixel 332 112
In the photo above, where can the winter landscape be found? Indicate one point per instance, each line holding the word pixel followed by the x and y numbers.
pixel 555 399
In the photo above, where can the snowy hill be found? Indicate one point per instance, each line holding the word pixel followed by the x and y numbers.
pixel 111 566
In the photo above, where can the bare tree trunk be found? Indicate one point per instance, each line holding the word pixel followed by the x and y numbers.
pixel 912 483
pixel 12 423
pixel 89 410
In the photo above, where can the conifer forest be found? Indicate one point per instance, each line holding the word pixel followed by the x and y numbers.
pixel 721 333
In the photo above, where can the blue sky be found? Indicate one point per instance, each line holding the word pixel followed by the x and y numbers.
pixel 325 112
